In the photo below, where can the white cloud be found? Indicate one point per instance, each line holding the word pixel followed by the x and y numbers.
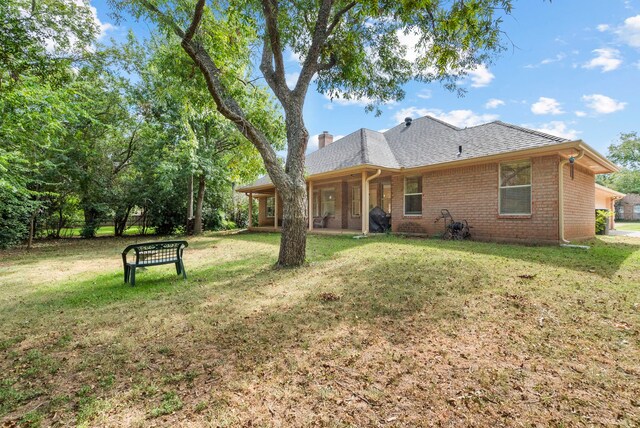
pixel 602 104
pixel 580 113
pixel 608 59
pixel 460 118
pixel 480 76
pixel 559 57
pixel 558 128
pixel 629 31
pixel 360 102
pixel 340 100
pixel 603 27
pixel 425 94
pixel 494 103
pixel 410 42
pixel 546 105
pixel 292 79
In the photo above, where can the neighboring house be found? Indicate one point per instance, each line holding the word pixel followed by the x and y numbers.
pixel 628 208
pixel 605 200
pixel 509 182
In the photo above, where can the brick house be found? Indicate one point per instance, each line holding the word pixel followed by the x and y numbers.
pixel 628 208
pixel 606 200
pixel 510 183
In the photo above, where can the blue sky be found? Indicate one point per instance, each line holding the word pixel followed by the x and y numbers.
pixel 574 72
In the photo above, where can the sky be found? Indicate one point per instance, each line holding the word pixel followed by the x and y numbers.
pixel 572 69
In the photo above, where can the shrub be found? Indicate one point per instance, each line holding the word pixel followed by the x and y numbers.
pixel 602 217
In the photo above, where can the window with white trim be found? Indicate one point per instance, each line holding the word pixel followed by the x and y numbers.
pixel 515 188
pixel 328 202
pixel 636 211
pixel 356 201
pixel 316 203
pixel 413 195
pixel 386 197
pixel 271 206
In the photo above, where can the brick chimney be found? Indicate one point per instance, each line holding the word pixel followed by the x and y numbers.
pixel 324 140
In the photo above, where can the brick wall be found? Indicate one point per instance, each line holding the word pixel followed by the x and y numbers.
pixel 579 203
pixel 627 203
pixel 471 193
pixel 262 213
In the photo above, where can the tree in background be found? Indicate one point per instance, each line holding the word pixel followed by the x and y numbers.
pixel 626 153
pixel 350 48
pixel 204 143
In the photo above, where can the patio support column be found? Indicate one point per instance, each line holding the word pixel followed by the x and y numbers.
pixel 365 203
pixel 250 210
pixel 310 196
pixel 275 208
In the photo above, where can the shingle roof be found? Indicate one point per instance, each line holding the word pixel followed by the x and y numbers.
pixel 427 141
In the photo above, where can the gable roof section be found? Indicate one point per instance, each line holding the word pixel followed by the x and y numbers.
pixel 427 141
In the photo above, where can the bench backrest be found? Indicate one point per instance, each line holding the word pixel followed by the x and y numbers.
pixel 156 253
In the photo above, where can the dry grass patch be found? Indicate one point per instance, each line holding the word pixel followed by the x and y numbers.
pixel 383 331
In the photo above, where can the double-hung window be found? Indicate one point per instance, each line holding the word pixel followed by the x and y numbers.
pixel 356 202
pixel 413 195
pixel 328 202
pixel 271 206
pixel 515 188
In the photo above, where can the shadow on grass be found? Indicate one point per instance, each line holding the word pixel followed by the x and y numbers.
pixel 603 258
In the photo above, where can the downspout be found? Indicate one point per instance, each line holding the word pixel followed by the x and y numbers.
pixel 561 195
pixel 366 195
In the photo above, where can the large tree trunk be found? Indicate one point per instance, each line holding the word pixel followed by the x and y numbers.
pixel 294 227
pixel 294 197
pixel 197 227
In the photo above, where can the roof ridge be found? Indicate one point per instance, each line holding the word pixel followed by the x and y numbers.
pixel 530 131
pixel 455 128
pixel 365 148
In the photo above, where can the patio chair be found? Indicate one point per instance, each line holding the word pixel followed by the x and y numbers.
pixel 320 222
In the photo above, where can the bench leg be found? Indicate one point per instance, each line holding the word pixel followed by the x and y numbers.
pixel 132 275
pixel 126 274
pixel 184 272
pixel 178 271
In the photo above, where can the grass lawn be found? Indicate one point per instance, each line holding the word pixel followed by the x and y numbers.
pixel 632 226
pixel 385 331
pixel 72 232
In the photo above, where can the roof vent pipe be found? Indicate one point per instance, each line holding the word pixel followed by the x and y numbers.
pixel 407 121
pixel 459 151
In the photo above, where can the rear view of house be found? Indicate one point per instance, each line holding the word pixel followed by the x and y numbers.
pixel 510 183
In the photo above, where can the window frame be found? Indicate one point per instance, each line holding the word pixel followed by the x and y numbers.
pixel 356 191
pixel 389 199
pixel 322 201
pixel 530 186
pixel 266 210
pixel 405 194
pixel 316 203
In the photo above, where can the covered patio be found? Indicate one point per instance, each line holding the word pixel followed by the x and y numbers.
pixel 336 202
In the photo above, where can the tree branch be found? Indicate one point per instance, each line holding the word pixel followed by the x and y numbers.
pixel 272 52
pixel 310 65
pixel 338 16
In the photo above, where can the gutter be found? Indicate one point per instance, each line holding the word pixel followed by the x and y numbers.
pixel 561 195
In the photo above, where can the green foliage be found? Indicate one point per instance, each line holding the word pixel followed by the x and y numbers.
pixel 625 153
pixel 602 217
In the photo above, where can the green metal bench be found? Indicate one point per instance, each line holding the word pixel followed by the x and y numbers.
pixel 153 254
